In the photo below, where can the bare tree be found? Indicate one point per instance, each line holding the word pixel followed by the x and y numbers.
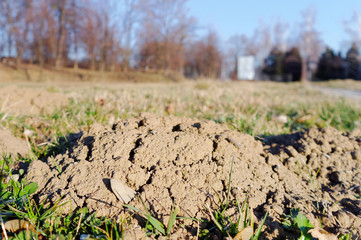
pixel 263 38
pixel 76 12
pixel 166 25
pixel 61 15
pixel 17 17
pixel 129 17
pixel 309 42
pixel 89 36
pixel 39 31
pixel 280 36
pixel 353 28
pixel 204 57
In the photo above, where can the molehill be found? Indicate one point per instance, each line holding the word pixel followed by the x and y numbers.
pixel 172 159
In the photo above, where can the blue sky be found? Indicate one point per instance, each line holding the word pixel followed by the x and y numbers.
pixel 229 17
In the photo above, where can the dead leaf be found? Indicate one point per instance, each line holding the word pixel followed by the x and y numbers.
pixel 244 234
pixel 121 191
pixel 321 234
pixel 101 102
pixel 17 226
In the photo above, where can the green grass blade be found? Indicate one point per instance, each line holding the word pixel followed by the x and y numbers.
pixel 135 209
pixel 156 224
pixel 172 219
pixel 258 232
pixel 240 213
pixel 219 226
pixel 229 182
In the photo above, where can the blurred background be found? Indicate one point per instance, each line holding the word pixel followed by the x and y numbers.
pixel 175 39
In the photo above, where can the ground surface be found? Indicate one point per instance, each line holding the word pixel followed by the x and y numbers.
pixel 181 149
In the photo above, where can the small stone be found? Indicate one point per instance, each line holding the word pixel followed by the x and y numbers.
pixel 281 119
pixel 14 177
pixel 28 133
pixel 356 155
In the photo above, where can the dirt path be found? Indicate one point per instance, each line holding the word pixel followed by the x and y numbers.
pixel 339 92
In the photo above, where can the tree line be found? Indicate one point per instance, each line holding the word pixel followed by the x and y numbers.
pixel 145 35
pixel 287 66
pixel 151 35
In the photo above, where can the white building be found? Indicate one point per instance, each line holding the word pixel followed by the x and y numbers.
pixel 246 68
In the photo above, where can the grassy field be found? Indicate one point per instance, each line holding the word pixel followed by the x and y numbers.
pixel 257 108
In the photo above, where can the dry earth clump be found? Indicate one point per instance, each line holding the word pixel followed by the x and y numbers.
pixel 10 145
pixel 186 161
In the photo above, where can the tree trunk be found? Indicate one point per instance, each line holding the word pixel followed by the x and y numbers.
pixel 92 62
pixel 19 53
pixel 40 52
pixel 61 35
pixel 126 60
pixel 18 61
pixel 76 60
pixel 304 71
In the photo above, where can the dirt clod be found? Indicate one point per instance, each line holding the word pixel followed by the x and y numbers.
pixel 12 145
pixel 171 159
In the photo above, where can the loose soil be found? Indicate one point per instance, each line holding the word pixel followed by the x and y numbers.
pixel 10 145
pixel 24 101
pixel 187 161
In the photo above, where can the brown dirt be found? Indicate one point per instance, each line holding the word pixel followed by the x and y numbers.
pixel 12 145
pixel 188 161
pixel 24 101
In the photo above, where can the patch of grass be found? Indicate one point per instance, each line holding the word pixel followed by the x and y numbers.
pixel 153 225
pixel 223 225
pixel 13 192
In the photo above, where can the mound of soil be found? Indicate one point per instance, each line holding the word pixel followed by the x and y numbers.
pixel 24 101
pixel 188 161
pixel 12 145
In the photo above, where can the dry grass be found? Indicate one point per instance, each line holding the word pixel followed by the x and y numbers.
pixel 33 73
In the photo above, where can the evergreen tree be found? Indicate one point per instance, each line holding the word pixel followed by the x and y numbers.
pixel 353 67
pixel 324 65
pixel 330 66
pixel 274 63
pixel 338 67
pixel 292 64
